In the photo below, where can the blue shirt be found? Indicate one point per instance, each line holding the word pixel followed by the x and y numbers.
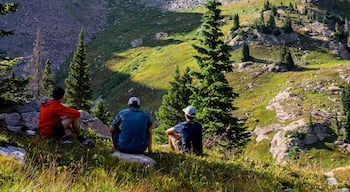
pixel 133 124
pixel 191 140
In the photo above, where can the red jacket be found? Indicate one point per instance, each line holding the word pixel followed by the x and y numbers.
pixel 51 113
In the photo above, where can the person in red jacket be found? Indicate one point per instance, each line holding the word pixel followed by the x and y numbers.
pixel 55 117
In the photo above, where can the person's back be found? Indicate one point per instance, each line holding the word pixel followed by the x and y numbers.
pixel 131 129
pixel 134 135
pixel 188 132
pixel 191 133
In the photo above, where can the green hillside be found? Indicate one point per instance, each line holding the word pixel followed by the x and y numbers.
pixel 120 70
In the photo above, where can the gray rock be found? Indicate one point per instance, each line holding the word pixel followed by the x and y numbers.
pixel 31 119
pixel 310 139
pixel 17 152
pixel 137 158
pixel 14 119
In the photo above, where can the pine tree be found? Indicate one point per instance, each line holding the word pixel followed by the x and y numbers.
pixel 212 94
pixel 48 81
pixel 287 25
pixel 272 23
pixel 34 68
pixel 347 128
pixel 102 112
pixel 267 5
pixel 245 52
pixel 12 88
pixel 5 61
pixel 177 98
pixel 345 98
pixel 78 83
pixel 235 22
pixel 262 19
pixel 286 58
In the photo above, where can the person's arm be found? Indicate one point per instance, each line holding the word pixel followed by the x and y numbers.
pixel 115 124
pixel 63 110
pixel 171 132
pixel 150 137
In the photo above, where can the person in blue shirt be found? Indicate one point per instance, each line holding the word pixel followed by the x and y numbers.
pixel 131 129
pixel 187 136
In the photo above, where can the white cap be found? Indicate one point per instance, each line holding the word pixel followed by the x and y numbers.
pixel 134 99
pixel 190 111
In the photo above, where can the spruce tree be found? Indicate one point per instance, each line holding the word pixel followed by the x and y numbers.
pixel 235 22
pixel 102 112
pixel 286 58
pixel 12 88
pixel 78 83
pixel 48 81
pixel 347 128
pixel 176 98
pixel 287 25
pixel 345 98
pixel 245 52
pixel 272 22
pixel 212 95
pixel 5 61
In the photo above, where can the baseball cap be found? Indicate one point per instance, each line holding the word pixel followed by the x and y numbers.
pixel 134 99
pixel 190 111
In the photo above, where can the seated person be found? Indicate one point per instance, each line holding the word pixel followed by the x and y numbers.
pixel 186 136
pixel 131 129
pixel 55 117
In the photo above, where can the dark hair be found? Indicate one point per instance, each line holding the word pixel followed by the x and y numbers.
pixel 58 93
pixel 189 117
pixel 134 104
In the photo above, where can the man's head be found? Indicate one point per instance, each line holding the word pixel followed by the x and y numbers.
pixel 134 102
pixel 58 93
pixel 190 112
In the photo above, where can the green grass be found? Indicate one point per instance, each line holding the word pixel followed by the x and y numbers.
pixel 52 166
pixel 120 71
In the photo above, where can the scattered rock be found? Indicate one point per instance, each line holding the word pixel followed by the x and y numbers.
pixel 138 158
pixel 17 152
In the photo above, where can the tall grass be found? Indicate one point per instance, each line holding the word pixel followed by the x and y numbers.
pixel 52 166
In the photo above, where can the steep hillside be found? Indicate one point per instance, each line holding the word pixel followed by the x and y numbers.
pixel 59 23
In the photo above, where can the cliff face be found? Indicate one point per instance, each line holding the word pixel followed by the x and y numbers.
pixel 59 23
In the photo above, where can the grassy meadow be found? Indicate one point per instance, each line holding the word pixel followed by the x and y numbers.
pixel 120 70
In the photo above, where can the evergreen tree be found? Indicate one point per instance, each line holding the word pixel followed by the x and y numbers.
pixel 245 52
pixel 212 95
pixel 273 11
pixel 235 22
pixel 287 25
pixel 34 68
pixel 48 81
pixel 267 5
pixel 262 19
pixel 12 88
pixel 286 58
pixel 177 98
pixel 78 83
pixel 347 128
pixel 345 98
pixel 6 62
pixel 272 23
pixel 102 112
